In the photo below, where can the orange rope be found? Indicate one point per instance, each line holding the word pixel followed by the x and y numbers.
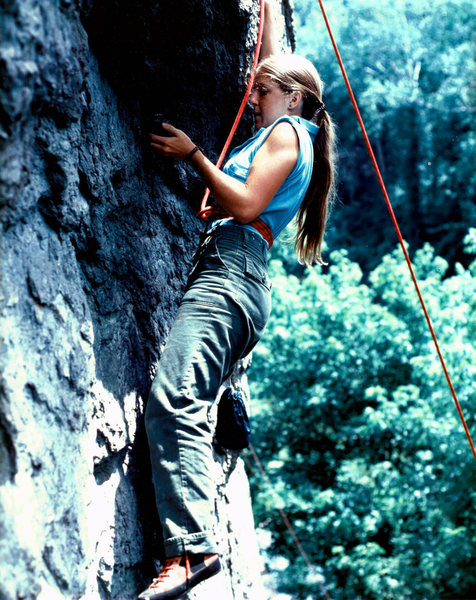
pixel 205 210
pixel 397 229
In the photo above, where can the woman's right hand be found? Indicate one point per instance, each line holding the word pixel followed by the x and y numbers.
pixel 175 145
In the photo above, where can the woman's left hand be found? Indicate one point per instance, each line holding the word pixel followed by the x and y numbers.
pixel 177 145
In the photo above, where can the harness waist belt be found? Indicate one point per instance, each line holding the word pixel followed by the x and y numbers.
pixel 263 230
pixel 212 213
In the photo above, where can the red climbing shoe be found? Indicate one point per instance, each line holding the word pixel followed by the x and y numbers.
pixel 179 574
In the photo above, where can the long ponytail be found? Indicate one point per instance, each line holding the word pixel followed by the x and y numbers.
pixel 312 215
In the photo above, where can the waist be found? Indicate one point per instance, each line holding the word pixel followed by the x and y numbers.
pixel 258 225
pixel 237 237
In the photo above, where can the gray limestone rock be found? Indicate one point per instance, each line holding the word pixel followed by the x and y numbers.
pixel 97 239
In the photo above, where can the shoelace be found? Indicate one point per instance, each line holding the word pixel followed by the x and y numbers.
pixel 170 565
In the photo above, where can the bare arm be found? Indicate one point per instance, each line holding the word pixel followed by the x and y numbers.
pixel 271 36
pixel 244 201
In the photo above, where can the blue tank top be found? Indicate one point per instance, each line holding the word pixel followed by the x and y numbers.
pixel 287 200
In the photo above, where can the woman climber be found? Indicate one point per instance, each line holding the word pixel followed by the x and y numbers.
pixel 284 170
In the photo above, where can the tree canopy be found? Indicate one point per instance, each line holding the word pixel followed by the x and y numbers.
pixel 358 431
pixel 352 415
pixel 411 65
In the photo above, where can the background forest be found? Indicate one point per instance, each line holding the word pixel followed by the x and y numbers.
pixel 352 415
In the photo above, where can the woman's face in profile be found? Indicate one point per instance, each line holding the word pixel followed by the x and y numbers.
pixel 268 101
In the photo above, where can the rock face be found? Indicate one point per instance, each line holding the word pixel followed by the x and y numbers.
pixel 97 239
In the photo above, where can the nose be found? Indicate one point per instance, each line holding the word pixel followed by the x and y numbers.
pixel 253 99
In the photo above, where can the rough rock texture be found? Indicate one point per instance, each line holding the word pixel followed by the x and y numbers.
pixel 97 239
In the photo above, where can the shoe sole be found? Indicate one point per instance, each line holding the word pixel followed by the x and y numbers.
pixel 206 573
pixel 195 579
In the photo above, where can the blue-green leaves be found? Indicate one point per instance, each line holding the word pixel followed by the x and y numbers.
pixel 354 418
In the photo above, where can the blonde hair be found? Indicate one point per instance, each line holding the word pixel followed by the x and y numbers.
pixel 295 73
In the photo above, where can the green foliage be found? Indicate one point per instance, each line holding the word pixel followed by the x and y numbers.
pixel 411 65
pixel 353 416
pixel 359 433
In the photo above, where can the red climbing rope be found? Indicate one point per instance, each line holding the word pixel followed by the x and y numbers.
pixel 397 228
pixel 205 210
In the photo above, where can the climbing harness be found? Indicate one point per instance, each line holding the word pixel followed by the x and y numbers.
pixel 397 228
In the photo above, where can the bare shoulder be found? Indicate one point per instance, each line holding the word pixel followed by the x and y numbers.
pixel 283 136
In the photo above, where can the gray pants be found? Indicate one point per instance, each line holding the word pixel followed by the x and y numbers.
pixel 222 315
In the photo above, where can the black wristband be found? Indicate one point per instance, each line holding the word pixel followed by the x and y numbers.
pixel 191 153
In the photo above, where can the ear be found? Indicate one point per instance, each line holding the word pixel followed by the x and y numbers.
pixel 295 100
